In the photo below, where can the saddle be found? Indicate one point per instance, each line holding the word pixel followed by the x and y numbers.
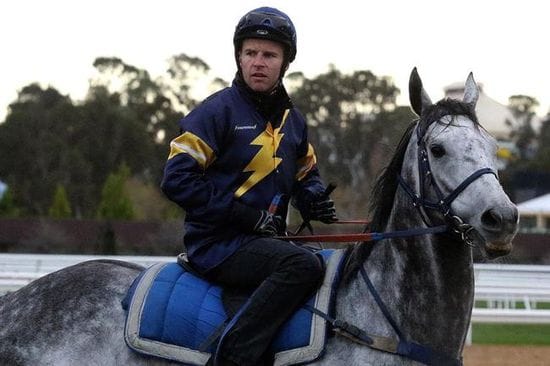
pixel 174 314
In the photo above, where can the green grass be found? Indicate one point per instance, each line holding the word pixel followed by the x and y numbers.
pixel 529 334
pixel 519 305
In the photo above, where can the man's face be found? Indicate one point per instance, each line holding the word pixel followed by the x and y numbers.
pixel 261 61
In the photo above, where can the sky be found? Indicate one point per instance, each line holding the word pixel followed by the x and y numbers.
pixel 505 44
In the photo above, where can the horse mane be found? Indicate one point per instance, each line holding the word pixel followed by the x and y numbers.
pixel 383 193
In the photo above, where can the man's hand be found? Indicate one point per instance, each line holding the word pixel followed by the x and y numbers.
pixel 318 207
pixel 323 210
pixel 256 221
pixel 269 224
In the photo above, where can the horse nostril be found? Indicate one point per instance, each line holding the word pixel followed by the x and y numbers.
pixel 491 220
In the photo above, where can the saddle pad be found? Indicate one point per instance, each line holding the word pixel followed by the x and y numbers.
pixel 175 315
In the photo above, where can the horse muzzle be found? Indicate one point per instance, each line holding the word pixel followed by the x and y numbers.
pixel 498 227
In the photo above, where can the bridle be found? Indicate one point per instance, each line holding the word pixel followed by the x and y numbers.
pixel 443 203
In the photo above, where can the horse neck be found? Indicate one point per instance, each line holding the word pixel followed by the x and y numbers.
pixel 426 283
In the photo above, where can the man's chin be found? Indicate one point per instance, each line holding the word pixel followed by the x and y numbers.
pixel 260 86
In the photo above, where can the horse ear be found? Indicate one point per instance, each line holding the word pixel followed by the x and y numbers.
pixel 417 95
pixel 471 91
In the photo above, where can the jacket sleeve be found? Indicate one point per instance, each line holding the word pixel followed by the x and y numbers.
pixel 185 181
pixel 308 181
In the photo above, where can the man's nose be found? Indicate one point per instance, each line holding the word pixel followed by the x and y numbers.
pixel 258 61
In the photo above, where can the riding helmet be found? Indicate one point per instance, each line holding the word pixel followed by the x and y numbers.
pixel 267 23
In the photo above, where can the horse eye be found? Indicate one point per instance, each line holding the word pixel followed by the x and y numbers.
pixel 437 151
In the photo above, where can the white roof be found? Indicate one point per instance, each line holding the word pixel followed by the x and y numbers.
pixel 491 114
pixel 538 205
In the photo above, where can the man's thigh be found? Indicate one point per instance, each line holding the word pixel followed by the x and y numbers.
pixel 249 266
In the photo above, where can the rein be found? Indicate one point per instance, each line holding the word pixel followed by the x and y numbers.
pixel 367 237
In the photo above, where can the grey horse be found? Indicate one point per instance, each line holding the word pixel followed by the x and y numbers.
pixel 443 173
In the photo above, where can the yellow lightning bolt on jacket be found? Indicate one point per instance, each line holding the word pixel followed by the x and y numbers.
pixel 265 161
pixel 229 152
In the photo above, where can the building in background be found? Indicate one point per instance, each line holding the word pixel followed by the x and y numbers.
pixel 535 214
pixel 492 114
pixel 496 118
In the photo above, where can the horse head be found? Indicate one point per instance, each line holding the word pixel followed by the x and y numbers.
pixel 456 170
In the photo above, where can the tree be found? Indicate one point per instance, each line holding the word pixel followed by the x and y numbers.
pixel 542 157
pixel 528 175
pixel 47 139
pixel 149 203
pixel 36 149
pixel 153 102
pixel 187 81
pixel 128 118
pixel 60 207
pixel 522 133
pixel 115 202
pixel 150 106
pixel 348 118
pixel 7 205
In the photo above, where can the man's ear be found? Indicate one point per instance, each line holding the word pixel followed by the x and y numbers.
pixel 239 59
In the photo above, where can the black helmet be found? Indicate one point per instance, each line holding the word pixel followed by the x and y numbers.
pixel 267 23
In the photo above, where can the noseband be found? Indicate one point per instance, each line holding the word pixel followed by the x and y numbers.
pixel 443 204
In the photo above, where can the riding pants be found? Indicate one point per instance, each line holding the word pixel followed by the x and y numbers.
pixel 283 276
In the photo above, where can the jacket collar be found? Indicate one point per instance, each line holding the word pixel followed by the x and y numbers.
pixel 271 105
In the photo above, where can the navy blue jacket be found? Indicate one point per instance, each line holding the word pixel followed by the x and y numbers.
pixel 229 152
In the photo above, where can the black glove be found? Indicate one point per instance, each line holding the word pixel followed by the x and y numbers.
pixel 256 221
pixel 269 224
pixel 323 210
pixel 318 207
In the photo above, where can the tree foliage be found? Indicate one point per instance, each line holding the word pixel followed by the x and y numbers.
pixel 48 139
pixel 528 175
pixel 7 205
pixel 354 124
pixel 128 117
pixel 35 146
pixel 115 202
pixel 541 161
pixel 60 208
pixel 522 133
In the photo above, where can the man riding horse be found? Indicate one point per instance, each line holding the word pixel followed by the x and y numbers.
pixel 242 156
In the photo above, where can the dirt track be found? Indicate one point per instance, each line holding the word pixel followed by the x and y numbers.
pixel 507 356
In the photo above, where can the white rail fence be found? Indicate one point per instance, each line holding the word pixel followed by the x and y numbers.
pixel 509 293
pixel 17 270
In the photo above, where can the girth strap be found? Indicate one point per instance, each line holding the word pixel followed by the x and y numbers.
pixel 406 348
pixel 400 347
pixel 356 334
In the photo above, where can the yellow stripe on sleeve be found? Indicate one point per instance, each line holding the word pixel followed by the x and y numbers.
pixel 191 144
pixel 306 163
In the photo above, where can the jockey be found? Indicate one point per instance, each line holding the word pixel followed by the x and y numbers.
pixel 242 156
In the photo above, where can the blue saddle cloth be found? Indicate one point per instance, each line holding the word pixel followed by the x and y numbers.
pixel 176 315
